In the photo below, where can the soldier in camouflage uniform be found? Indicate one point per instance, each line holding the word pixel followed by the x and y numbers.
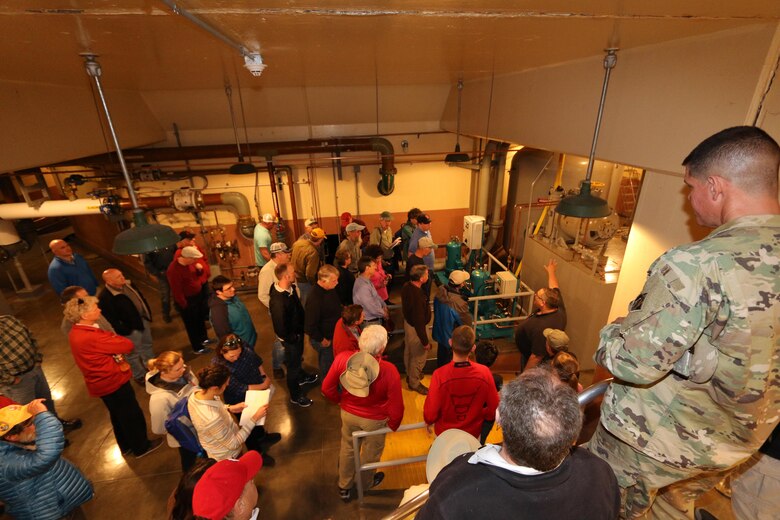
pixel 697 355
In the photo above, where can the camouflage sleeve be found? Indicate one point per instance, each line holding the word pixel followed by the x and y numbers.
pixel 664 321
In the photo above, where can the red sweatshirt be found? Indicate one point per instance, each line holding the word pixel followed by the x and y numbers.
pixel 96 353
pixel 462 395
pixel 186 280
pixel 384 399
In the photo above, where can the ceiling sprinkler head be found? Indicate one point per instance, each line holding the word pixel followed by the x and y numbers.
pixel 254 63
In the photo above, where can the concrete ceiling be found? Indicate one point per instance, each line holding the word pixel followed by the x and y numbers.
pixel 144 46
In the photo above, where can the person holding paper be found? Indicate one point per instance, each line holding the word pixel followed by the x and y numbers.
pixel 246 373
pixel 218 432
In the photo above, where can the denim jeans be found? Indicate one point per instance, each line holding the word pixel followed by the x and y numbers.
pixel 325 357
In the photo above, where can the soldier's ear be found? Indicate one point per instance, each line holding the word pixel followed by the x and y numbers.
pixel 715 186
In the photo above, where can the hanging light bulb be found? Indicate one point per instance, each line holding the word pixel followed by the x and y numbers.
pixel 584 204
pixel 457 156
pixel 241 167
pixel 143 237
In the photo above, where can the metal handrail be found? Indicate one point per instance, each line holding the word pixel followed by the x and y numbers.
pixel 415 504
pixel 359 468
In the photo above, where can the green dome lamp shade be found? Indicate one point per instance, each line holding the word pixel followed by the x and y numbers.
pixel 143 237
pixel 585 204
pixel 457 156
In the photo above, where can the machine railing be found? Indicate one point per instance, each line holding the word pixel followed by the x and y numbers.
pixel 525 290
pixel 412 506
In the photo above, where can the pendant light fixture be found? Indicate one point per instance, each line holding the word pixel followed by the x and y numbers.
pixel 241 167
pixel 457 156
pixel 143 237
pixel 584 204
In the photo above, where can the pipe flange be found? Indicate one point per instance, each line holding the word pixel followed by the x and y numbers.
pixel 187 199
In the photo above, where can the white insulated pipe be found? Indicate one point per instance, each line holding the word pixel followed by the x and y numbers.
pixel 50 208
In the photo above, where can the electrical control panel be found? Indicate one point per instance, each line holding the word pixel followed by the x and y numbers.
pixel 473 231
pixel 506 283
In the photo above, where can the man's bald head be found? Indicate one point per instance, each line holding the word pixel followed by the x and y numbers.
pixel 114 278
pixel 61 249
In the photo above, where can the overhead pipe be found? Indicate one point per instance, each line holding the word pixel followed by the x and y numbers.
pixel 483 181
pixel 387 170
pixel 496 222
pixel 185 200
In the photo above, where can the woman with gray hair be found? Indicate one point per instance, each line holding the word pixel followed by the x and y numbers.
pixel 370 400
pixel 100 357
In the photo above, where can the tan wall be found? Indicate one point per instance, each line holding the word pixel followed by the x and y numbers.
pixel 663 99
pixel 43 124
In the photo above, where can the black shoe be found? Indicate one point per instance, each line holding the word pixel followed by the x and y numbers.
pixel 167 318
pixel 270 439
pixel 208 341
pixel 308 379
pixel 345 494
pixel 202 350
pixel 379 476
pixel 268 461
pixel 68 425
pixel 127 452
pixel 302 401
pixel 153 445
pixel 67 443
pixel 278 373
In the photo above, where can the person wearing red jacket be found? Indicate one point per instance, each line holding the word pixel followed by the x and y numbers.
pixel 370 400
pixel 462 394
pixel 100 357
pixel 347 330
pixel 188 276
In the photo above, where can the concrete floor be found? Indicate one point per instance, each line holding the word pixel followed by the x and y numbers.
pixel 302 485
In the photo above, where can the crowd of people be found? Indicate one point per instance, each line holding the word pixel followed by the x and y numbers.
pixel 695 360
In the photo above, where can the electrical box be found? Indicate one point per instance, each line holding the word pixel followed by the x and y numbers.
pixel 506 283
pixel 473 231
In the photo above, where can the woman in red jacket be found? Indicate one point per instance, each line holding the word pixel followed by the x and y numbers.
pixel 347 331
pixel 100 357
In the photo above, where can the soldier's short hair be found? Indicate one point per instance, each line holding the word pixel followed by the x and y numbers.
pixel 327 271
pixel 416 273
pixel 746 156
pixel 463 338
pixel 540 418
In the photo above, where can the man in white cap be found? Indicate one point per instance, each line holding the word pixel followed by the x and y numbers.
pixel 352 244
pixel 370 400
pixel 188 278
pixel 262 239
pixel 35 480
pixel 450 310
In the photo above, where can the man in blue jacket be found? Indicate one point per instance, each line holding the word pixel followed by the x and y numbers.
pixel 35 481
pixel 69 268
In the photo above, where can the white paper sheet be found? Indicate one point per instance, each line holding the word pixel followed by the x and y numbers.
pixel 254 399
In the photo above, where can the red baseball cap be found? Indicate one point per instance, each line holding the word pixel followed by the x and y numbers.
pixel 220 487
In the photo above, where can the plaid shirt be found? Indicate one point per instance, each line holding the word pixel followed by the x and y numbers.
pixel 18 350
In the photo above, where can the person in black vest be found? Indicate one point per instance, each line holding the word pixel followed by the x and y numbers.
pixel 287 318
pixel 127 311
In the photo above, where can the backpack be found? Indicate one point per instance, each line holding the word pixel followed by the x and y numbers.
pixel 179 425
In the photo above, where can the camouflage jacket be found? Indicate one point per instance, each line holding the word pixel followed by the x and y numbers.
pixel 720 295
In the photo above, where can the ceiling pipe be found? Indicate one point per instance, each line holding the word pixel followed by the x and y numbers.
pixel 483 181
pixel 496 222
pixel 185 200
pixel 387 170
